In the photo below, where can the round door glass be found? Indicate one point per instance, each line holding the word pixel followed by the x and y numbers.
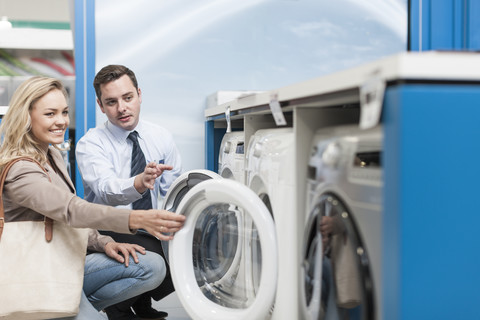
pixel 347 288
pixel 226 255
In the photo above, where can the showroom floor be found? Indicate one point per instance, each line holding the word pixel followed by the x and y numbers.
pixel 172 305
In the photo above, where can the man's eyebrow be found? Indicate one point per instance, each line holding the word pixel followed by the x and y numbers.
pixel 127 94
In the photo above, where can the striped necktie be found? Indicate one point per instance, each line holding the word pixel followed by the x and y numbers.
pixel 138 166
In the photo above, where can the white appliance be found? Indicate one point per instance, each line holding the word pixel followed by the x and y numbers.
pixel 214 256
pixel 231 156
pixel 270 173
pixel 345 188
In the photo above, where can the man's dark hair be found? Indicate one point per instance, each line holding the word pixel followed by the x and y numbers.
pixel 110 73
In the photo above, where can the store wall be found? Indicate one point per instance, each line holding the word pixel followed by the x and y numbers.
pixel 182 51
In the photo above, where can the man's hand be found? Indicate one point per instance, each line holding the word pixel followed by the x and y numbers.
pixel 146 179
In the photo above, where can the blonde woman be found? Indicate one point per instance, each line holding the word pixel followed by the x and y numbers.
pixel 35 122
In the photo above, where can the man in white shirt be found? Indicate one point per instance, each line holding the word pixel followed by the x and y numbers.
pixel 104 158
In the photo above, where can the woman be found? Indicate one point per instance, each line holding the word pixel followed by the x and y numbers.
pixel 34 124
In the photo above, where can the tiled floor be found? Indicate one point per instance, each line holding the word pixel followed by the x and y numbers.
pixel 172 305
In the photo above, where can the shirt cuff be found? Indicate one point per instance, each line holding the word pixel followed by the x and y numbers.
pixel 129 191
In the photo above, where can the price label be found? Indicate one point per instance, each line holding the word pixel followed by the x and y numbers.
pixel 227 118
pixel 276 110
pixel 371 102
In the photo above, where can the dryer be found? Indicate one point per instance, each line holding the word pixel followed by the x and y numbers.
pixel 231 156
pixel 214 257
pixel 270 170
pixel 345 197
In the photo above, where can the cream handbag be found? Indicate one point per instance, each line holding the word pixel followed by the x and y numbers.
pixel 346 273
pixel 41 266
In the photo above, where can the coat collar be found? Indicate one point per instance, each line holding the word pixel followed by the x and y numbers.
pixel 60 164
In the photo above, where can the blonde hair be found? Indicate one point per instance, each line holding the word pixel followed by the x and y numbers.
pixel 16 127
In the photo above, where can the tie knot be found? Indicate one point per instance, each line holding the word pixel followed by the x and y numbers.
pixel 133 136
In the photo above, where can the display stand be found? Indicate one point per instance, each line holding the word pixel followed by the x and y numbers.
pixel 429 111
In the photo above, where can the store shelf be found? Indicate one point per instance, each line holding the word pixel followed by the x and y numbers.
pixel 31 38
pixel 26 52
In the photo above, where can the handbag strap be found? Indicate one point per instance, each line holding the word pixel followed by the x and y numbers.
pixel 3 175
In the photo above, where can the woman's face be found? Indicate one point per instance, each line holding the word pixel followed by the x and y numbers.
pixel 49 117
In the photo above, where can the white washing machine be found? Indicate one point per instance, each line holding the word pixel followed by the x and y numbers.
pixel 270 173
pixel 345 197
pixel 231 156
pixel 222 267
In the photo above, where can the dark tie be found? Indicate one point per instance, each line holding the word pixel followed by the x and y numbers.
pixel 138 166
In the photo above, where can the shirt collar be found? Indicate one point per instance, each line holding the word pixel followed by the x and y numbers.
pixel 121 134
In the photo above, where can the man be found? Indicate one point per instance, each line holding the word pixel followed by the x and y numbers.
pixel 128 162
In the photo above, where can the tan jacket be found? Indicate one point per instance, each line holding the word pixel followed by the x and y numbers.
pixel 28 195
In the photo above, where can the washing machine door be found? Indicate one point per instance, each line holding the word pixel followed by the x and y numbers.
pixel 224 260
pixel 179 188
pixel 311 269
pixel 347 283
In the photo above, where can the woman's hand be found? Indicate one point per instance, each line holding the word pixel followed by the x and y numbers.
pixel 112 249
pixel 159 223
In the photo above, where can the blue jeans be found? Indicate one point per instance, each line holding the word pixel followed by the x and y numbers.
pixel 107 282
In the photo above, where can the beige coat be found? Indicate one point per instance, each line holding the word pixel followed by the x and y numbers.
pixel 28 195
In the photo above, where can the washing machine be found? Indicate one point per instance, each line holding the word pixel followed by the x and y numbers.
pixel 231 156
pixel 224 260
pixel 270 173
pixel 344 198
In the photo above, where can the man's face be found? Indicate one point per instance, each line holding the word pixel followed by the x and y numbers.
pixel 120 101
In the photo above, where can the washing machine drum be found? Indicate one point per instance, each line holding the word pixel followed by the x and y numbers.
pixel 347 286
pixel 216 249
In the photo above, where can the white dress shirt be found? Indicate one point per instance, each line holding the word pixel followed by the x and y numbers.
pixel 103 157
